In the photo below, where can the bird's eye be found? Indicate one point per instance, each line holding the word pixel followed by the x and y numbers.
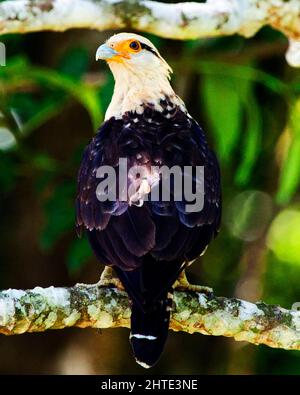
pixel 135 45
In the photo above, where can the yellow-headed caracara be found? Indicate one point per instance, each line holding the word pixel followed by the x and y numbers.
pixel 147 240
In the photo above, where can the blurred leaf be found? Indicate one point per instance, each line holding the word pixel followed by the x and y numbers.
pixel 7 136
pixel 224 111
pixel 16 119
pixel 106 90
pixel 47 111
pixel 33 111
pixel 79 252
pixel 74 62
pixel 226 119
pixel 242 72
pixel 59 214
pixel 20 73
pixel 25 104
pixel 7 139
pixel 290 174
pixel 86 95
pixel 44 162
pixel 90 100
pixel 251 137
pixel 290 170
pixel 16 62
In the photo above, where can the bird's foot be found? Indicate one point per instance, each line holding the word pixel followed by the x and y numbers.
pixel 107 279
pixel 182 284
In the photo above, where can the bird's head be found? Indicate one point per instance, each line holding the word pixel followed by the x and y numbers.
pixel 141 74
pixel 132 53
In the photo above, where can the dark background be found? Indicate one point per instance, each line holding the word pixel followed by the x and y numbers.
pixel 53 96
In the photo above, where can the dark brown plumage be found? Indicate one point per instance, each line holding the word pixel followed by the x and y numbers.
pixel 148 245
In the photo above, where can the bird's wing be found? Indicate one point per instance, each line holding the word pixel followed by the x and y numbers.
pixel 180 232
pixel 90 213
pixel 121 234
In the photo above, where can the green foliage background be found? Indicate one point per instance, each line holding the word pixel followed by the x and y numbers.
pixel 53 97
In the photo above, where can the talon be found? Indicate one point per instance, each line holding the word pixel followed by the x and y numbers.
pixel 108 279
pixel 182 284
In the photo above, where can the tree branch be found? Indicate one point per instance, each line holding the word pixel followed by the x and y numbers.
pixel 95 306
pixel 179 21
pixel 104 307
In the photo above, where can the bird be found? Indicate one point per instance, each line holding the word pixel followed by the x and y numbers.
pixel 147 242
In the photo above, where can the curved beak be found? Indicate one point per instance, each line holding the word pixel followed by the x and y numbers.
pixel 105 52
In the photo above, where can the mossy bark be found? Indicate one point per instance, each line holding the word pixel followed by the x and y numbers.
pixel 95 306
pixel 180 21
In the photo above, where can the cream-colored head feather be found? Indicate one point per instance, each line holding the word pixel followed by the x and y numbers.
pixel 141 74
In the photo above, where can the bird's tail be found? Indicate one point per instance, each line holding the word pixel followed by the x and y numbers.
pixel 149 329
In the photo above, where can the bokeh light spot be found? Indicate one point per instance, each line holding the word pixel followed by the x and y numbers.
pixel 248 215
pixel 284 236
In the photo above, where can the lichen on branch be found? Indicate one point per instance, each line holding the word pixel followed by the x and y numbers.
pixel 96 306
pixel 179 20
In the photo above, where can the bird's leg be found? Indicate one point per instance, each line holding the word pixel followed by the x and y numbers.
pixel 107 279
pixel 182 284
